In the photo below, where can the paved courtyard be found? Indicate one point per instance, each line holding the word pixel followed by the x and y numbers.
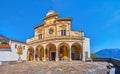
pixel 62 67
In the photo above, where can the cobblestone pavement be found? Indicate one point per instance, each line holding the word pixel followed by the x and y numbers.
pixel 62 67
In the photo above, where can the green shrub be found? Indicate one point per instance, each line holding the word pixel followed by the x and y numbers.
pixel 94 56
pixel 4 42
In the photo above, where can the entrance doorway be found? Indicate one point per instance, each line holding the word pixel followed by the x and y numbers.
pixel 72 56
pixel 52 55
pixel 30 54
pixel 76 51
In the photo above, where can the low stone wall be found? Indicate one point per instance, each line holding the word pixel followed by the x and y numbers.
pixel 101 59
pixel 115 62
pixel 9 62
pixel 111 60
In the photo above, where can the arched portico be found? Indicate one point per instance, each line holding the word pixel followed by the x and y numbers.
pixel 51 52
pixel 39 54
pixel 56 51
pixel 76 51
pixel 63 51
pixel 30 54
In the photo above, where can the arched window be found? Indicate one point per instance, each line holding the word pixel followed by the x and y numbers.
pixel 40 36
pixel 63 32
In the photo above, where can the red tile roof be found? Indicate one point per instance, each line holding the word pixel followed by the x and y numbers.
pixel 4 46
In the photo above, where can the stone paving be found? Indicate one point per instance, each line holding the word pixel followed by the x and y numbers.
pixel 62 67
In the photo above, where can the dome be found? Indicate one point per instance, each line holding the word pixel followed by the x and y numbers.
pixel 50 12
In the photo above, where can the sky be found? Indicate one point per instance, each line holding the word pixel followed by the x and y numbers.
pixel 100 20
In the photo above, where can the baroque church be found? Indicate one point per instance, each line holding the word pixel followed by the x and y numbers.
pixel 54 40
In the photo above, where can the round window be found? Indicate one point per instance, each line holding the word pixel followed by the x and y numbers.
pixel 50 31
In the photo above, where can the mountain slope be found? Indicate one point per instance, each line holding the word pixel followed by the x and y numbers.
pixel 109 53
pixel 3 37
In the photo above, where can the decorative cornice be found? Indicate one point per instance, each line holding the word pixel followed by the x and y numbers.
pixel 42 24
pixel 64 19
pixel 54 39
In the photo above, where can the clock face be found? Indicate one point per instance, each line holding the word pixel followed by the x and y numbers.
pixel 51 31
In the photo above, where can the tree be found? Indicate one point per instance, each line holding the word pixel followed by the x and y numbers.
pixel 94 56
pixel 19 52
pixel 4 41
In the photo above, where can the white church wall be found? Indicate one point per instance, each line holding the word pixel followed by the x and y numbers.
pixel 5 54
pixel 11 54
pixel 86 47
pixel 14 55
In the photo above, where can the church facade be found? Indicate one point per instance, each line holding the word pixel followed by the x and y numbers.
pixel 54 40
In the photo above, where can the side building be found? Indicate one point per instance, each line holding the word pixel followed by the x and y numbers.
pixel 8 51
pixel 54 40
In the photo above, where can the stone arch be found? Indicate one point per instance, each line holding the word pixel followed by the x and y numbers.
pixel 63 43
pixel 51 51
pixel 76 51
pixel 63 50
pixel 39 54
pixel 30 54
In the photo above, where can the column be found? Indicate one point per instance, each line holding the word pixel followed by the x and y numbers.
pixel 80 55
pixel 44 53
pixel 70 54
pixel 34 54
pixel 57 58
pixel 70 44
pixel 83 57
pixel 47 54
pixel 83 53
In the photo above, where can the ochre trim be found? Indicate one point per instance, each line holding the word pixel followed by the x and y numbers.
pixel 64 19
pixel 38 41
pixel 39 25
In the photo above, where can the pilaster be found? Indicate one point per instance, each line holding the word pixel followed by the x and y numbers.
pixel 57 58
pixel 44 46
pixel 70 59
pixel 34 53
pixel 83 53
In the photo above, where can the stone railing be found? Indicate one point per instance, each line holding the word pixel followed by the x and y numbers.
pixel 111 60
pixel 77 33
pixel 73 35
pixel 101 59
pixel 115 62
pixel 34 39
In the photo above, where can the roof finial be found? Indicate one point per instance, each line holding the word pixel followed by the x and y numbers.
pixel 50 12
